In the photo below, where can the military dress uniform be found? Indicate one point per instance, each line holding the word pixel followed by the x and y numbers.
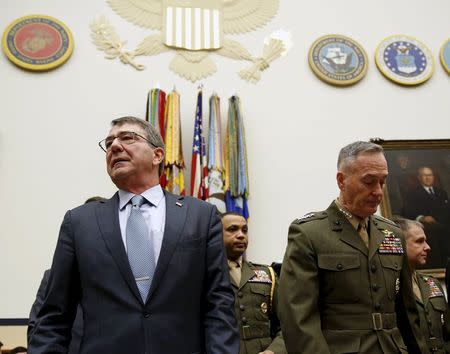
pixel 434 314
pixel 339 296
pixel 255 308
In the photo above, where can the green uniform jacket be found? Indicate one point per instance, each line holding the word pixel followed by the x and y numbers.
pixel 337 296
pixel 434 314
pixel 259 327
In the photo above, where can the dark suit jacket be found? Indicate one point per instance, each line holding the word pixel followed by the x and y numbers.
pixel 420 202
pixel 77 328
pixel 189 308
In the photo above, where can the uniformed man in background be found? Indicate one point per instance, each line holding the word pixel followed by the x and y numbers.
pixel 255 288
pixel 430 299
pixel 345 284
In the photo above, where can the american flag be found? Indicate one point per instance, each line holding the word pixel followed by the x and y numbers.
pixel 199 169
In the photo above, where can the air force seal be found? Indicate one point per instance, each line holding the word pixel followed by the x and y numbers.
pixel 445 55
pixel 404 60
pixel 338 60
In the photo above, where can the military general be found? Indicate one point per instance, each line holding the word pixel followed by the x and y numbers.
pixel 255 288
pixel 345 284
pixel 430 299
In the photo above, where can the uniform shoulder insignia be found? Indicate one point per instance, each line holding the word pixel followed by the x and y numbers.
pixel 311 216
pixel 385 220
pixel 253 264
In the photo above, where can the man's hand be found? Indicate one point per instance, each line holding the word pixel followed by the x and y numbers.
pixel 266 352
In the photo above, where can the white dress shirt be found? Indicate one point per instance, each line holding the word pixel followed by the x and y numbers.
pixel 154 215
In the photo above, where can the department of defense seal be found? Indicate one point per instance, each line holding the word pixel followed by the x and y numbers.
pixel 338 60
pixel 445 55
pixel 37 42
pixel 404 60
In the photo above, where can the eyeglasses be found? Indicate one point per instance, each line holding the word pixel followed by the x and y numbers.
pixel 125 138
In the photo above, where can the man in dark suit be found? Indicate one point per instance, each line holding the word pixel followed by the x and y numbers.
pixel 178 299
pixel 345 284
pixel 77 328
pixel 429 205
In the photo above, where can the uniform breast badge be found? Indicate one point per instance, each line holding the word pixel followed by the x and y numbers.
pixel 260 276
pixel 391 244
pixel 445 55
pixel 338 60
pixel 434 289
pixel 404 60
pixel 397 286
pixel 37 42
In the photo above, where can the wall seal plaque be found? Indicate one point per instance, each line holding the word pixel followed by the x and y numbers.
pixel 445 55
pixel 37 42
pixel 404 60
pixel 338 60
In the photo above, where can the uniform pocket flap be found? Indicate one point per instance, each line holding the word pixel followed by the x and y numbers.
pixel 438 303
pixel 338 262
pixel 391 262
pixel 258 288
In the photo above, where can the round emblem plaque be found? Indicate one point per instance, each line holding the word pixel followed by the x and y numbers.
pixel 338 60
pixel 37 42
pixel 404 60
pixel 445 55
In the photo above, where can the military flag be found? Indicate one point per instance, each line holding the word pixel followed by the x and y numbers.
pixel 155 109
pixel 216 166
pixel 236 168
pixel 173 160
pixel 199 170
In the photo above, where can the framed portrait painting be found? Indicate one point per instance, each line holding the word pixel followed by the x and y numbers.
pixel 418 188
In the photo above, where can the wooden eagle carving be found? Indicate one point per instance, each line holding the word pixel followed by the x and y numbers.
pixel 193 29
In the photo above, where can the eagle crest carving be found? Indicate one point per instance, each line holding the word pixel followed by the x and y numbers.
pixel 194 29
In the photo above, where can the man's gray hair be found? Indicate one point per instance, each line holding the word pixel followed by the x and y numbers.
pixel 349 153
pixel 406 224
pixel 151 133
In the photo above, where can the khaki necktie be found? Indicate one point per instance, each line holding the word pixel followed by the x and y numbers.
pixel 235 271
pixel 362 231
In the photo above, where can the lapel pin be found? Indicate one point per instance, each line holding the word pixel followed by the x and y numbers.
pixel 179 204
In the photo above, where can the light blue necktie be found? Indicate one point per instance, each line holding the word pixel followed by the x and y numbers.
pixel 140 248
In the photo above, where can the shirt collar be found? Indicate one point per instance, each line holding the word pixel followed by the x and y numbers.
pixel 353 219
pixel 238 261
pixel 154 195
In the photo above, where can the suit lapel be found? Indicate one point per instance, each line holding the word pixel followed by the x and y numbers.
pixel 246 275
pixel 108 220
pixel 176 210
pixel 375 237
pixel 346 232
pixel 423 289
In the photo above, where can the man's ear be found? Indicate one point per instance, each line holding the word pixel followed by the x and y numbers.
pixel 158 155
pixel 340 178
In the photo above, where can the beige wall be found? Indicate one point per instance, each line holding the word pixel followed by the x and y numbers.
pixel 295 124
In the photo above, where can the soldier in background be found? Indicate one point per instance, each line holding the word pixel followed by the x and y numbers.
pixel 255 289
pixel 430 299
pixel 345 284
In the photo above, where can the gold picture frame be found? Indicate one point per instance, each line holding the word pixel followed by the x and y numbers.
pixel 405 196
